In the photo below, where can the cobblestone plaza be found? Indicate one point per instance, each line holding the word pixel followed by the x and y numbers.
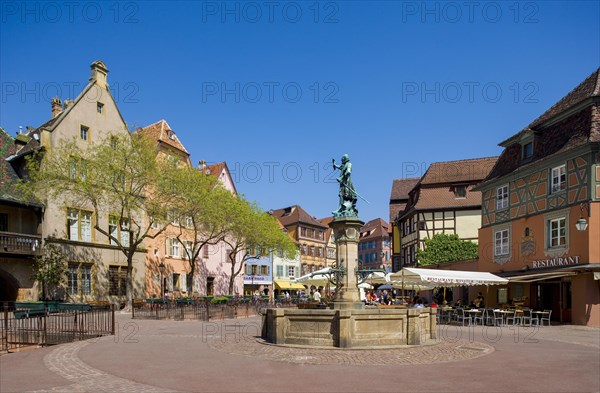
pixel 162 356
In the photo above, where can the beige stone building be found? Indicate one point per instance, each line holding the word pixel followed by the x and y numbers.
pixel 96 268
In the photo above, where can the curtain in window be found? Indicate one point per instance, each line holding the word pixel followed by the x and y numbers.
pixel 86 226
pixel 73 223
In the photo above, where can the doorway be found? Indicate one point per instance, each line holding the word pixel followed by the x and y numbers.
pixel 9 287
pixel 210 286
pixel 555 296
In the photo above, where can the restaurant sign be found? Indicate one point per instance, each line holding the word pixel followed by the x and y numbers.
pixel 554 262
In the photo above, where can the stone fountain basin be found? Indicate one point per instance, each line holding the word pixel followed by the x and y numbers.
pixel 349 328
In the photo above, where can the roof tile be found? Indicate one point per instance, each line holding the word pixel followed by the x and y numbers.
pixel 162 132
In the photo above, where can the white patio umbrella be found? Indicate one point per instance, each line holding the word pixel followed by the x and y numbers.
pixel 317 278
pixel 378 278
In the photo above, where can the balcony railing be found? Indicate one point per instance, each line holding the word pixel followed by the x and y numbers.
pixel 18 243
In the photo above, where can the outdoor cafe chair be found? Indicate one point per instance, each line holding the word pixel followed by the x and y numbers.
pixel 498 318
pixel 511 318
pixel 529 318
pixel 489 316
pixel 545 317
pixel 480 317
pixel 444 315
pixel 462 317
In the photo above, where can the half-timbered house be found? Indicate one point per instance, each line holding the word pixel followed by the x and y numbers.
pixel 541 211
pixel 442 201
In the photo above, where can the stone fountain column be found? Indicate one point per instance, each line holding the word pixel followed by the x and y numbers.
pixel 346 231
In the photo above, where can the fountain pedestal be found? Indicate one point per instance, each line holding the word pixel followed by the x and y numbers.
pixel 346 231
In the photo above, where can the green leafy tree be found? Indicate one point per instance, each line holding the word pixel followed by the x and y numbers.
pixel 251 233
pixel 49 269
pixel 118 176
pixel 446 248
pixel 199 204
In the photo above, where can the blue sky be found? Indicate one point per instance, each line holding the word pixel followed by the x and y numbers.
pixel 277 89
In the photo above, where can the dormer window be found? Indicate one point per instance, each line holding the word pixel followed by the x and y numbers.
pixel 527 150
pixel 460 191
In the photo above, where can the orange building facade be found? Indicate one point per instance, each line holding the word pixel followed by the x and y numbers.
pixel 535 202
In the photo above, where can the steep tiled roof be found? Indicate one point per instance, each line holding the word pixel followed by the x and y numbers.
pixel 443 197
pixel 162 132
pixel 8 176
pixel 557 130
pixel 214 169
pixel 399 195
pixel 461 171
pixel 296 214
pixel 376 228
pixel 435 189
pixel 590 87
pixel 401 187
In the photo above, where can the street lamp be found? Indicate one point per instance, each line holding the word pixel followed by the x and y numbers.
pixel 581 224
pixel 161 269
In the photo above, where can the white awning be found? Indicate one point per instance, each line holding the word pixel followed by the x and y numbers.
pixel 446 278
pixel 540 276
pixel 318 278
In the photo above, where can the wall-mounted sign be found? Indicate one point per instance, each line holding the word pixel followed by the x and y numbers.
pixel 554 262
pixel 527 244
pixel 257 279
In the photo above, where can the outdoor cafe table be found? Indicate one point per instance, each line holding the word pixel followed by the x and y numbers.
pixel 504 314
pixel 473 312
pixel 445 311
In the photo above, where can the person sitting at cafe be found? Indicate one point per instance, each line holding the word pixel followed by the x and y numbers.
pixel 419 304
pixel 317 296
pixel 385 297
pixel 479 302
pixel 458 303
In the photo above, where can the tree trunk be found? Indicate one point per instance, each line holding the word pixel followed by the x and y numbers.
pixel 129 292
pixel 232 277
pixel 190 279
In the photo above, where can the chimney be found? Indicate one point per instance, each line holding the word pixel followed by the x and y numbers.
pixel 57 107
pixel 202 165
pixel 99 73
pixel 68 103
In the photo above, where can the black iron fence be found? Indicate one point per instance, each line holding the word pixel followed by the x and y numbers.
pixel 200 309
pixel 40 325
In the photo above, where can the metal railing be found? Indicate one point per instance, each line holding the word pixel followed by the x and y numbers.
pixel 21 327
pixel 18 243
